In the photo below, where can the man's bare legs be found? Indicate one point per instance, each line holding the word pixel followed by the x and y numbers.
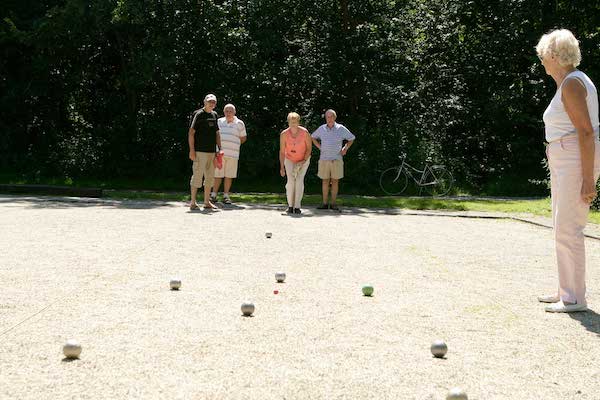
pixel 334 190
pixel 193 193
pixel 216 186
pixel 325 187
pixel 227 185
pixel 227 182
pixel 207 203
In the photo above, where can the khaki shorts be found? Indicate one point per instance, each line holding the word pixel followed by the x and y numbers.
pixel 229 170
pixel 331 169
pixel 203 168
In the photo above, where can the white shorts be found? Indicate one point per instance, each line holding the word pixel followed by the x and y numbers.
pixel 229 170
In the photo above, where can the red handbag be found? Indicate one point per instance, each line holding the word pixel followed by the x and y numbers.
pixel 218 161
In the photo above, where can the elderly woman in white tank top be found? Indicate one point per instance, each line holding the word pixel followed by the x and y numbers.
pixel 573 153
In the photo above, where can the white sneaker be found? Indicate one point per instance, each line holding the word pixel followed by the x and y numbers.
pixel 549 298
pixel 561 307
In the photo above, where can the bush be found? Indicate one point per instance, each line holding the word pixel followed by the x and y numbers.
pixel 596 202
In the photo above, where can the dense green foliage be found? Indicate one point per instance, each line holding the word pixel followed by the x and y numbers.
pixel 103 88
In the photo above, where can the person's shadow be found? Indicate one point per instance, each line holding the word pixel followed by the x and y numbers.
pixel 589 319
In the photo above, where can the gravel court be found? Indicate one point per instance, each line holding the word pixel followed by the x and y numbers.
pixel 470 282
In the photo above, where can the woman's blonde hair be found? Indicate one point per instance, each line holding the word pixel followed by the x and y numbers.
pixel 562 44
pixel 293 116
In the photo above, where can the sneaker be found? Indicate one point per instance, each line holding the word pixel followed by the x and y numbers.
pixel 549 298
pixel 297 211
pixel 290 210
pixel 561 307
pixel 226 200
pixel 323 207
pixel 213 197
pixel 334 207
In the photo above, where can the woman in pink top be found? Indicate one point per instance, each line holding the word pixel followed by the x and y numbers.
pixel 295 147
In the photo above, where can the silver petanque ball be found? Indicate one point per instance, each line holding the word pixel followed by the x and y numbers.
pixel 280 277
pixel 457 394
pixel 439 348
pixel 268 235
pixel 72 349
pixel 175 283
pixel 247 309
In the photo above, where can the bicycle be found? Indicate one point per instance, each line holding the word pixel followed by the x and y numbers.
pixel 435 179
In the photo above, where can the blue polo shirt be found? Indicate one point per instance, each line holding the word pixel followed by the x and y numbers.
pixel 332 140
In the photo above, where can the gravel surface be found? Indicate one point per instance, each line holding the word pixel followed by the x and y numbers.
pixel 99 271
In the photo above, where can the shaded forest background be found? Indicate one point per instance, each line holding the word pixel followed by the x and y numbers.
pixel 101 90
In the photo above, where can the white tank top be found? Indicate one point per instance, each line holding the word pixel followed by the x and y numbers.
pixel 556 119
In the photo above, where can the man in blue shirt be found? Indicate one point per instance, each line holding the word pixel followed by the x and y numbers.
pixel 329 138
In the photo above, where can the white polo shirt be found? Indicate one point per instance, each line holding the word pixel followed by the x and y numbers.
pixel 230 136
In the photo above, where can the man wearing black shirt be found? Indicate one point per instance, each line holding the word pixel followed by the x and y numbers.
pixel 203 137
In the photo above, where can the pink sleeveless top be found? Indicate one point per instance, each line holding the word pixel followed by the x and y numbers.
pixel 295 148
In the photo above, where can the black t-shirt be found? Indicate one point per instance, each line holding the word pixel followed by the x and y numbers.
pixel 205 125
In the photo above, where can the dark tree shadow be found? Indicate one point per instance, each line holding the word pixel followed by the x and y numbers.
pixel 589 319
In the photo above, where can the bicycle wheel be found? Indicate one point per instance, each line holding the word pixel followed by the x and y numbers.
pixel 438 181
pixel 393 181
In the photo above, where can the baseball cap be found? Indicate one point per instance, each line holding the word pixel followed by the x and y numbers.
pixel 210 97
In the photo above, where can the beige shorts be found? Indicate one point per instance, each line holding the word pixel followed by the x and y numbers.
pixel 331 169
pixel 203 168
pixel 229 170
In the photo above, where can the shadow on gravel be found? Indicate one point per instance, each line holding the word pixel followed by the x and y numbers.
pixel 202 211
pixel 65 203
pixel 61 202
pixel 40 202
pixel 310 211
pixel 590 320
pixel 231 207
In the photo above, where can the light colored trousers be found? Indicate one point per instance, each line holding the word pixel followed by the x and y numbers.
pixel 569 215
pixel 294 188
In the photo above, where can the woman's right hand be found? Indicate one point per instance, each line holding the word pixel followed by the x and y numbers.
pixel 192 155
pixel 282 171
pixel 588 191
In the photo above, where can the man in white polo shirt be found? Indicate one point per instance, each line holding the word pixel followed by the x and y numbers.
pixel 329 138
pixel 233 134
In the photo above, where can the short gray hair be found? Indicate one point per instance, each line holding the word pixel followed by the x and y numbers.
pixel 229 105
pixel 331 111
pixel 562 44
